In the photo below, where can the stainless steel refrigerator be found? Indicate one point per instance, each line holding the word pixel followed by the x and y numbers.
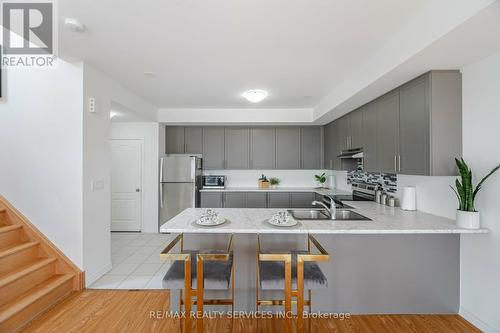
pixel 180 183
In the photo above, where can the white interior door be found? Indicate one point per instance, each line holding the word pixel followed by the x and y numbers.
pixel 126 185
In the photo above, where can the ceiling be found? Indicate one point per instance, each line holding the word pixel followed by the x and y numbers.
pixel 204 54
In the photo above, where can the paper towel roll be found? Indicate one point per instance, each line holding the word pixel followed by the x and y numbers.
pixel 331 181
pixel 409 201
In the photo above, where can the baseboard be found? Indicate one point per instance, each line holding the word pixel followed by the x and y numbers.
pixel 91 278
pixel 474 320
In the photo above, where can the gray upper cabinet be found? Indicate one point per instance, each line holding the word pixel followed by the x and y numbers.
pixel 174 139
pixel 288 148
pixel 311 147
pixel 234 200
pixel 343 129
pixel 193 140
pixel 356 129
pixel 211 200
pixel 237 147
pixel 387 108
pixel 431 124
pixel 414 128
pixel 256 200
pixel 328 149
pixel 369 137
pixel 279 200
pixel 262 148
pixel 213 148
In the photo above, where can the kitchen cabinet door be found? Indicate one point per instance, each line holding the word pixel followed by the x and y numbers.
pixel 287 148
pixel 213 148
pixel 211 200
pixel 302 199
pixel 414 128
pixel 174 140
pixel 262 148
pixel 237 147
pixel 344 131
pixel 193 137
pixel 370 137
pixel 356 129
pixel 234 200
pixel 279 200
pixel 256 200
pixel 336 145
pixel 387 131
pixel 310 147
pixel 328 156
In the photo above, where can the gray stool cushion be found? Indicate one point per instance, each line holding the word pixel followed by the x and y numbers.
pixel 216 274
pixel 272 274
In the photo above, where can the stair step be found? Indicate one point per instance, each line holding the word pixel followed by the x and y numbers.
pixel 10 235
pixel 17 255
pixel 21 280
pixel 35 301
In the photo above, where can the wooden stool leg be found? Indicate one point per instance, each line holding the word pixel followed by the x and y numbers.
pixel 300 295
pixel 199 295
pixel 288 295
pixel 187 296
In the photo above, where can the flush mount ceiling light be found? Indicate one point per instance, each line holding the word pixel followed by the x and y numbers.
pixel 74 24
pixel 255 95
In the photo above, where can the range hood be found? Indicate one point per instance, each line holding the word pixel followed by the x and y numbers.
pixel 351 153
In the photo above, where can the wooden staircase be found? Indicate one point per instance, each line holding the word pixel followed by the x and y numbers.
pixel 34 274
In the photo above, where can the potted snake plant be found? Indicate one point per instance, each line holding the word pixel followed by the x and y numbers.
pixel 467 215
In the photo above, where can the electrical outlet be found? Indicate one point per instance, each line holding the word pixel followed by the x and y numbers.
pixel 92 105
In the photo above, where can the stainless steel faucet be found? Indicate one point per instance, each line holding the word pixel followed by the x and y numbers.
pixel 332 210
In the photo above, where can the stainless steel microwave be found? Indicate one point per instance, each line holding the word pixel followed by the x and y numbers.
pixel 214 181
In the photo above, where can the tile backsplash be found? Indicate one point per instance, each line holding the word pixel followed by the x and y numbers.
pixel 387 181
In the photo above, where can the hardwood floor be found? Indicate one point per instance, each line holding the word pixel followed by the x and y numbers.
pixel 129 311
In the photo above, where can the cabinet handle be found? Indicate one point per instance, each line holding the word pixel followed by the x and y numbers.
pixel 399 163
pixel 395 162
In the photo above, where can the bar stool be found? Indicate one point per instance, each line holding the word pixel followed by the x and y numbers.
pixel 195 271
pixel 292 272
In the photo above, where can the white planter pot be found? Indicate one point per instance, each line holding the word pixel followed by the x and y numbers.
pixel 468 220
pixel 274 187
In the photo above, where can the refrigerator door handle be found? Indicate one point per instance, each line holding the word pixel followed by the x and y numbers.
pixel 161 195
pixel 161 170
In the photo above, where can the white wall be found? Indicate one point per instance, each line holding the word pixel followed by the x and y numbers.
pixel 480 257
pixel 149 133
pixel 97 167
pixel 41 150
pixel 289 178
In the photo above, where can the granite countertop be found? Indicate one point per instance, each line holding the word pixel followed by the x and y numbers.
pixel 385 220
pixel 322 191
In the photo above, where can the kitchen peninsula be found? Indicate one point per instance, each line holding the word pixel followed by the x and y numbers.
pixel 396 262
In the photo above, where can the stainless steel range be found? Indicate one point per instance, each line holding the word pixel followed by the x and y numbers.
pixel 361 191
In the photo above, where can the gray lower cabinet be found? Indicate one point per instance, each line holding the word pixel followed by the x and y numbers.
pixel 387 108
pixel 193 140
pixel 256 200
pixel 262 148
pixel 235 199
pixel 174 140
pixel 288 148
pixel 302 199
pixel 237 147
pixel 212 199
pixel 279 200
pixel 370 138
pixel 213 148
pixel 311 147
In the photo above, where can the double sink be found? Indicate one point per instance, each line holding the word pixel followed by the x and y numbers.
pixel 343 213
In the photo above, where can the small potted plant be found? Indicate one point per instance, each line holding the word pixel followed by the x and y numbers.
pixel 467 215
pixel 321 179
pixel 274 182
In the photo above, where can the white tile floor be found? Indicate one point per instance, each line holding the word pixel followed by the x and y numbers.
pixel 136 261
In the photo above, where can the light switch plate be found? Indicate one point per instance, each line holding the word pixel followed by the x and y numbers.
pixel 92 105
